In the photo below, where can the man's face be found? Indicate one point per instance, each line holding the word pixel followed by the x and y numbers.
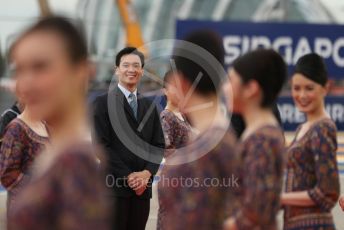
pixel 130 70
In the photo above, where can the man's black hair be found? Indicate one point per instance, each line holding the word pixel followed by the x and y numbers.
pixel 129 50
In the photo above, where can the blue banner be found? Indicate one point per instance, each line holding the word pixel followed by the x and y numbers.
pixel 291 40
pixel 292 117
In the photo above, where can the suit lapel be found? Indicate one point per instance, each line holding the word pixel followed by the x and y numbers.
pixel 140 109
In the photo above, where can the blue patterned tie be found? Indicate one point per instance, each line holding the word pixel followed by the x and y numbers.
pixel 133 103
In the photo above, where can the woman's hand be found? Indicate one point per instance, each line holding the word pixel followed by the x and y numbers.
pixel 282 200
pixel 299 198
pixel 341 202
pixel 229 224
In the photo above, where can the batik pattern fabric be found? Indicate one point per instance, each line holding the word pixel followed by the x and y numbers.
pixel 69 194
pixel 177 132
pixel 262 155
pixel 200 191
pixel 312 167
pixel 20 146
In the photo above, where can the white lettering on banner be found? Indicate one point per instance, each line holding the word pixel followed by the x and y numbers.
pixel 336 48
pixel 260 42
pixel 336 111
pixel 236 45
pixel 301 49
pixel 284 42
pixel 290 114
pixel 323 46
pixel 232 50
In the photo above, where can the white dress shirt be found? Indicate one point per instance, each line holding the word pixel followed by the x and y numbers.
pixel 127 92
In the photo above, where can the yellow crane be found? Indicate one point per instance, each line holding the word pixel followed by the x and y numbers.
pixel 129 19
pixel 44 8
pixel 131 25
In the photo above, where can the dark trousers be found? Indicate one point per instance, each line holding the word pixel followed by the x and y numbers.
pixel 131 213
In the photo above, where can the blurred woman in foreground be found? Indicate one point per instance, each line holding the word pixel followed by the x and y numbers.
pixel 312 186
pixel 67 189
pixel 211 155
pixel 23 141
pixel 256 80
pixel 177 130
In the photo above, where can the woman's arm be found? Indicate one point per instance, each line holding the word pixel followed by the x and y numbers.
pixel 230 224
pixel 168 126
pixel 11 155
pixel 323 145
pixel 300 198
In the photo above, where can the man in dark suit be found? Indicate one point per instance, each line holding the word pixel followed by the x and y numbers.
pixel 128 127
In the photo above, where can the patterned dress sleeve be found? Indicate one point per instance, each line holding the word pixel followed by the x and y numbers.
pixel 11 156
pixel 70 195
pixel 323 144
pixel 262 178
pixel 167 123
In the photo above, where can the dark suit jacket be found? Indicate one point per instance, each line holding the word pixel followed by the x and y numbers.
pixel 131 145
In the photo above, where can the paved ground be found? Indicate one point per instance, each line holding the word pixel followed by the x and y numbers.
pixel 2 210
pixel 151 225
pixel 338 214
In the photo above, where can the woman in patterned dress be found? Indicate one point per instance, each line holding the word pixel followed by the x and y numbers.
pixel 198 185
pixel 256 80
pixel 67 190
pixel 312 185
pixel 177 130
pixel 23 141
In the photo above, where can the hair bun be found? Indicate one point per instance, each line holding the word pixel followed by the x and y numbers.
pixel 312 66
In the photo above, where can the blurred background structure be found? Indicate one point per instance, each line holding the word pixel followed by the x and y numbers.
pixel 112 24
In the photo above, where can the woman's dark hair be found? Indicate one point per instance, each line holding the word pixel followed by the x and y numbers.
pixel 130 50
pixel 312 66
pixel 190 63
pixel 167 77
pixel 71 35
pixel 266 67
